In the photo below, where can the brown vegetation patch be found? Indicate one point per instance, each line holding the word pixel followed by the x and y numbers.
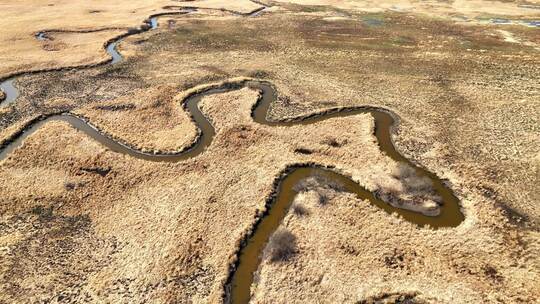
pixel 303 151
pixel 393 298
pixel 300 209
pixel 101 171
pixel 119 107
pixel 281 246
pixel 335 142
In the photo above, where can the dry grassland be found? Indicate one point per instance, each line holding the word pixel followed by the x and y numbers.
pixel 80 223
pixel 20 51
pixel 103 226
pixel 149 120
pixel 458 9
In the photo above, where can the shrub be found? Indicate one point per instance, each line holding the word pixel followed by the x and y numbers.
pixel 323 197
pixel 281 246
pixel 414 187
pixel 333 142
pixel 299 209
pixel 303 151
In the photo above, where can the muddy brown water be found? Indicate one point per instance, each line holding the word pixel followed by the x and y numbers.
pixel 237 289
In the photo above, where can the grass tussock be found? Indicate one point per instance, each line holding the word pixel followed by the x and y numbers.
pixel 325 188
pixel 318 182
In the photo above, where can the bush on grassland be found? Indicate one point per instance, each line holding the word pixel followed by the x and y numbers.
pixel 281 246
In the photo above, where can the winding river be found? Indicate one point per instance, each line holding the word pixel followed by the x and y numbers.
pixel 237 288
pixel 11 93
pixel 7 85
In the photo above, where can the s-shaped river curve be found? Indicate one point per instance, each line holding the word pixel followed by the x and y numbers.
pixel 237 288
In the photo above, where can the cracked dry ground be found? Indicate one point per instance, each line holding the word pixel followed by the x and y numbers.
pixel 163 232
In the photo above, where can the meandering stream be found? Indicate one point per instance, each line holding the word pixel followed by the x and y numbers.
pixel 8 85
pixel 237 289
pixel 241 278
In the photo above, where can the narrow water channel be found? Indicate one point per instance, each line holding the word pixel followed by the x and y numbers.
pixel 238 286
pixel 11 92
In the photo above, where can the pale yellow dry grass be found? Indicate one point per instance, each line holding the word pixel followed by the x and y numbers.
pixel 148 232
pixel 149 120
pixel 441 9
pixel 175 226
pixel 20 51
pixel 348 251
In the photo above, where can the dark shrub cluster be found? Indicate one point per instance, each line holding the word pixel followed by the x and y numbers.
pixel 281 246
pixel 299 209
